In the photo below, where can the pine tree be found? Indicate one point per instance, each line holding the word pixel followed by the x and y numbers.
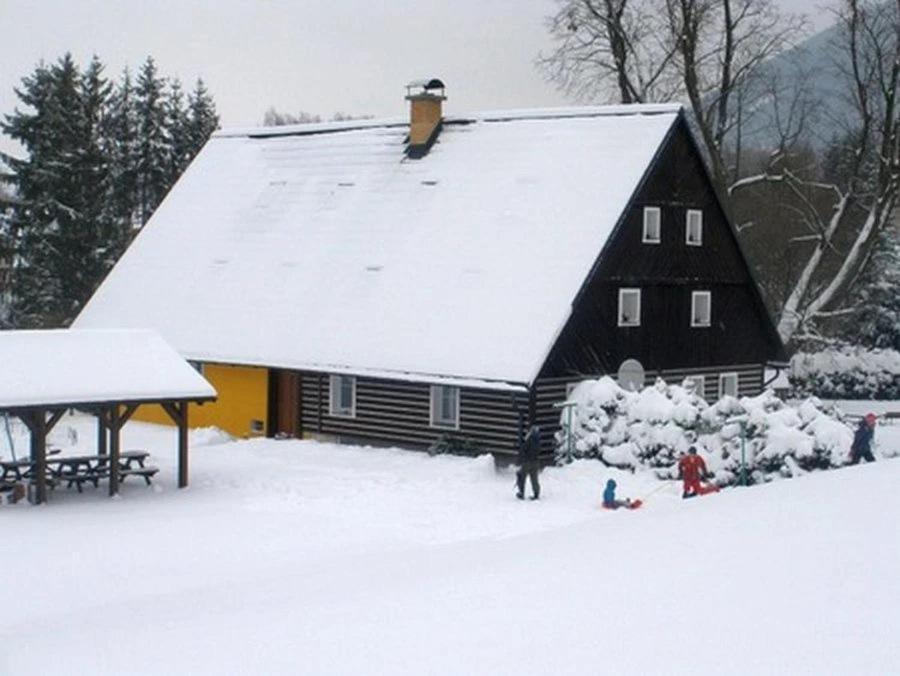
pixel 47 211
pixel 178 125
pixel 122 142
pixel 203 117
pixel 154 145
pixel 876 320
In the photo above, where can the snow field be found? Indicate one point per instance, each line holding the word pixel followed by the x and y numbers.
pixel 298 557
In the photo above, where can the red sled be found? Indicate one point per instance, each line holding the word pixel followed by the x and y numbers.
pixel 634 504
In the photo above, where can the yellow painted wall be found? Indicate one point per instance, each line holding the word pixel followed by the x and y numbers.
pixel 243 397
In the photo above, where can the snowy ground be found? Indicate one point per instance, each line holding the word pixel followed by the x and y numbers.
pixel 298 557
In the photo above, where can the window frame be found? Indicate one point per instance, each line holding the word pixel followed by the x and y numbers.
pixel 699 385
pixel 737 383
pixel 694 296
pixel 687 227
pixel 334 390
pixel 645 238
pixel 433 407
pixel 619 318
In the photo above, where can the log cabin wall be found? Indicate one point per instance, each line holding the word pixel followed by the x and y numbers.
pixel 740 331
pixel 392 412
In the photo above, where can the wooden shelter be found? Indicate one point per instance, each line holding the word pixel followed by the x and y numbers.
pixel 106 373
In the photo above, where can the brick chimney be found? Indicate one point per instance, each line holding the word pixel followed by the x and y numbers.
pixel 425 101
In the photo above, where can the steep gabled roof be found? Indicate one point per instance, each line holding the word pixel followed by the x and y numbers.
pixel 322 247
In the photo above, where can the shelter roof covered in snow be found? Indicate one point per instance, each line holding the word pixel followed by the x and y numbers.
pixel 324 247
pixel 43 368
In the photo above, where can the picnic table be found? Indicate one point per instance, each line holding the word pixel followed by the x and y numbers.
pixel 77 470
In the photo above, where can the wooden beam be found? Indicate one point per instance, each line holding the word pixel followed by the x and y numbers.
pixel 114 441
pixel 102 436
pixel 183 445
pixel 174 409
pixel 38 428
pixel 128 412
pixel 54 418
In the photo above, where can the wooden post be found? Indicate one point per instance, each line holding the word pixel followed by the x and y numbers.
pixel 37 425
pixel 114 427
pixel 178 412
pixel 182 444
pixel 102 437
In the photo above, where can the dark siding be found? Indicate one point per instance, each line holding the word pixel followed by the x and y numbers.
pixel 740 333
pixel 397 412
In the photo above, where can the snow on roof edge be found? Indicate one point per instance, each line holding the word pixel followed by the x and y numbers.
pixel 387 374
pixel 483 116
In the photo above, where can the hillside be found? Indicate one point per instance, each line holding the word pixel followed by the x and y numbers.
pixel 288 557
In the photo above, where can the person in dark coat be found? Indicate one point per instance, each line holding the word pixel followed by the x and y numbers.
pixel 862 440
pixel 529 463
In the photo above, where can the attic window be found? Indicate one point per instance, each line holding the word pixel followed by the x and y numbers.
pixel 652 227
pixel 694 227
pixel 429 182
pixel 701 308
pixel 629 307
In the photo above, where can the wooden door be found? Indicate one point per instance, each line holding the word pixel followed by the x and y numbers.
pixel 286 404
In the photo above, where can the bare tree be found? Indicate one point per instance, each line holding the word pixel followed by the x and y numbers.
pixel 864 170
pixel 710 52
pixel 611 49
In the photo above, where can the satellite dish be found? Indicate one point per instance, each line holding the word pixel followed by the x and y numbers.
pixel 631 375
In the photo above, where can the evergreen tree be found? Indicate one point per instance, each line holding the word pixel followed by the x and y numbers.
pixel 876 319
pixel 154 144
pixel 203 117
pixel 49 200
pixel 122 142
pixel 178 124
pixel 99 159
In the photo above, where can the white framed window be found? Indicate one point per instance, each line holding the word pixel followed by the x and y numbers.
pixel 445 407
pixel 728 384
pixel 629 307
pixel 342 396
pixel 699 385
pixel 652 226
pixel 694 227
pixel 701 308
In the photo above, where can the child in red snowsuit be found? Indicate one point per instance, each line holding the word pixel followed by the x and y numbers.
pixel 692 468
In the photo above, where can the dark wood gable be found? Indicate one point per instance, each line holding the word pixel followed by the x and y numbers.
pixel 667 273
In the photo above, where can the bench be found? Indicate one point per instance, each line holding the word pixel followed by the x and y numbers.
pixel 147 472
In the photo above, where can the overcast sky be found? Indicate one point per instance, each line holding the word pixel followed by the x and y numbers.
pixel 319 56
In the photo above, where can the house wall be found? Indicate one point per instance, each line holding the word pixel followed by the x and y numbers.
pixel 740 333
pixel 740 338
pixel 242 399
pixel 396 412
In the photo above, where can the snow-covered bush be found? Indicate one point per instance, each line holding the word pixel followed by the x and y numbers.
pixel 653 428
pixel 846 373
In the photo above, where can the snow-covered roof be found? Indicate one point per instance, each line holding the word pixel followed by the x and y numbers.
pixel 83 366
pixel 323 247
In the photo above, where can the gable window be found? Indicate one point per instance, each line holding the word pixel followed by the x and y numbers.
pixel 728 384
pixel 445 406
pixel 652 226
pixel 342 396
pixel 699 385
pixel 629 307
pixel 694 227
pixel 701 308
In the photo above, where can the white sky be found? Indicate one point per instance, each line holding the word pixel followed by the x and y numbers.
pixel 321 56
